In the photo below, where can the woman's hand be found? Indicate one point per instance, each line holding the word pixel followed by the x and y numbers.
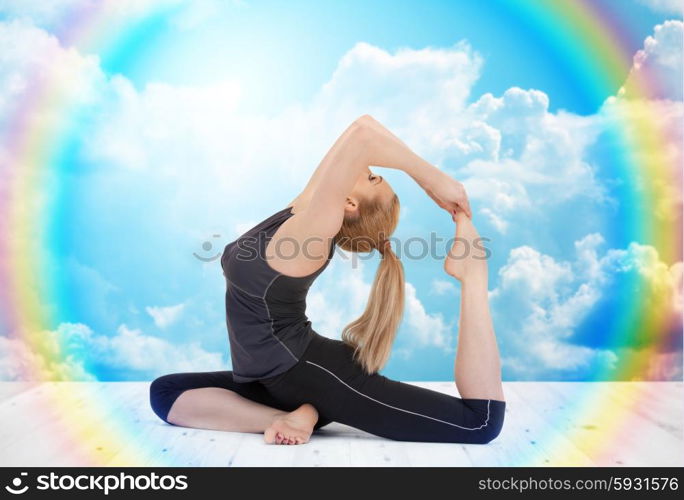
pixel 449 194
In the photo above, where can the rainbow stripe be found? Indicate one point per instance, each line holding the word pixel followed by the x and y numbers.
pixel 596 44
pixel 593 42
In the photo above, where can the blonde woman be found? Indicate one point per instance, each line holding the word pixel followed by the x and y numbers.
pixel 287 380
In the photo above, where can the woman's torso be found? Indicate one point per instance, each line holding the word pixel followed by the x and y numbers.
pixel 266 318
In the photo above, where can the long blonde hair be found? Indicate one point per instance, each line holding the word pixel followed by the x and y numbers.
pixel 372 334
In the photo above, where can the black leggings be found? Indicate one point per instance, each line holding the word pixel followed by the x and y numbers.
pixel 328 377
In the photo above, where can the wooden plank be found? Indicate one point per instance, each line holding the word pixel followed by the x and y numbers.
pixel 370 451
pixel 619 434
pixel 85 424
pixel 20 419
pixel 255 453
pixel 10 389
pixel 593 418
pixel 62 418
pixel 661 403
pixel 163 444
pixel 221 449
pixel 328 447
pixel 526 440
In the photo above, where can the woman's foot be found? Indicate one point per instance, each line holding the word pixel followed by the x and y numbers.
pixel 467 257
pixel 294 427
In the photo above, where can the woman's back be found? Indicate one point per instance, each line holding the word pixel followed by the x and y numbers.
pixel 265 310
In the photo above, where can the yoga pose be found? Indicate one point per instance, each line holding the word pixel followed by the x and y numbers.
pixel 288 380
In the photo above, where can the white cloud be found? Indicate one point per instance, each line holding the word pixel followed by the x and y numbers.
pixel 427 329
pixel 131 350
pixel 571 358
pixel 41 360
pixel 495 220
pixel 74 352
pixel 442 287
pixel 31 59
pixel 656 71
pixel 338 296
pixel 416 90
pixel 543 302
pixel 519 157
pixel 666 6
pixel 165 316
pixel 53 13
pixel 665 292
pixel 660 366
pixel 537 274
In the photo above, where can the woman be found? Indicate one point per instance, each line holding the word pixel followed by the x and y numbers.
pixel 287 380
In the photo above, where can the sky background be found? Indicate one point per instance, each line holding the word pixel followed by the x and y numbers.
pixel 188 123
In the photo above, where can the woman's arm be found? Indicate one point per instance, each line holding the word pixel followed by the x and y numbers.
pixel 362 144
pixel 338 172
pixel 304 197
pixel 387 150
pixel 306 236
pixel 374 144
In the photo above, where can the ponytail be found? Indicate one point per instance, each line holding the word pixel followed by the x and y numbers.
pixel 373 333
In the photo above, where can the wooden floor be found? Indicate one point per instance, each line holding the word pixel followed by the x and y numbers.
pixel 547 423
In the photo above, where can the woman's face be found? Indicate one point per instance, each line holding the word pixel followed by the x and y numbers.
pixel 367 187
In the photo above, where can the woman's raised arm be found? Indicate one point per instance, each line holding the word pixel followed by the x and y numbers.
pixel 334 179
pixel 387 150
pixel 364 143
pixel 319 213
pixel 367 142
pixel 304 197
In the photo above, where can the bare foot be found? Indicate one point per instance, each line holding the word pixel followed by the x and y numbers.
pixel 467 256
pixel 292 428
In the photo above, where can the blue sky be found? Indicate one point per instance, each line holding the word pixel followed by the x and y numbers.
pixel 302 42
pixel 192 120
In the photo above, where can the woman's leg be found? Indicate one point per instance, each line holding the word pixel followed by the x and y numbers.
pixel 329 378
pixel 477 368
pixel 213 400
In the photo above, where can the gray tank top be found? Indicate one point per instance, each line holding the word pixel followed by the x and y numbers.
pixel 266 318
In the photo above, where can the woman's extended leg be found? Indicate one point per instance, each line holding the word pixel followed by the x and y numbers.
pixel 328 377
pixel 477 367
pixel 212 400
